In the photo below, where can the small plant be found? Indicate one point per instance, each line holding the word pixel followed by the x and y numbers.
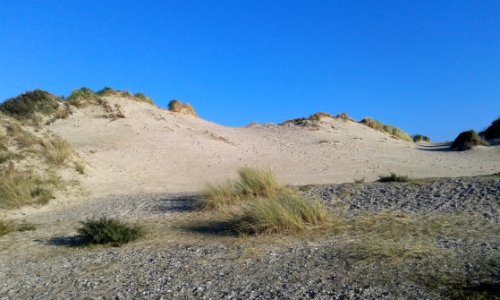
pixel 493 131
pixel 396 132
pixel 143 98
pixel 105 91
pixel 80 167
pixel 343 116
pixel 393 177
pixel 467 140
pixel 26 105
pixel 176 106
pixel 320 115
pixel 84 97
pixel 420 138
pixel 108 231
pixel 6 227
pixel 26 227
pixel 374 124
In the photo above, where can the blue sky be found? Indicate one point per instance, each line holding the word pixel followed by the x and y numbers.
pixel 430 67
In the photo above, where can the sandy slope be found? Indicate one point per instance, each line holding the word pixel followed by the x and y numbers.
pixel 153 150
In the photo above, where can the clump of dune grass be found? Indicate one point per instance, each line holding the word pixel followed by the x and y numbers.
pixel 84 97
pixel 176 106
pixel 23 137
pixel 493 131
pixel 393 177
pixel 57 150
pixel 108 231
pixel 143 98
pixel 252 183
pixel 26 105
pixel 467 140
pixel 282 214
pixel 6 227
pixel 319 115
pixel 80 167
pixel 343 116
pixel 24 188
pixel 395 132
pixel 420 138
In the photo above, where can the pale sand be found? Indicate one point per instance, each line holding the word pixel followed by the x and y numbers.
pixel 154 150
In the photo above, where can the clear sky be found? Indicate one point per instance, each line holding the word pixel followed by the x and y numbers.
pixel 430 67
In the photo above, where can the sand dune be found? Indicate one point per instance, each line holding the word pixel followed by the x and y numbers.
pixel 154 150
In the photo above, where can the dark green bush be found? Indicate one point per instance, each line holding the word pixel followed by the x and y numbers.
pixel 467 140
pixel 419 138
pixel 108 231
pixel 493 131
pixel 393 177
pixel 24 106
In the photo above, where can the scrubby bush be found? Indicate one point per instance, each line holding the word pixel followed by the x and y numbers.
pixel 372 124
pixel 105 91
pixel 176 106
pixel 420 138
pixel 319 115
pixel 493 131
pixel 343 116
pixel 467 140
pixel 393 177
pixel 108 231
pixel 26 105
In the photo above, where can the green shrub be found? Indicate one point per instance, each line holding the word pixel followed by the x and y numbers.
pixel 283 214
pixel 419 138
pixel 26 105
pixel 493 131
pixel 467 140
pixel 108 231
pixel 143 98
pixel 393 178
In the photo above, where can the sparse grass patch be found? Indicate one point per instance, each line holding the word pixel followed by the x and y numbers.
pixel 143 98
pixel 57 150
pixel 108 231
pixel 84 97
pixel 393 177
pixel 467 140
pixel 320 115
pixel 372 124
pixel 23 188
pixel 396 132
pixel 6 227
pixel 80 167
pixel 344 117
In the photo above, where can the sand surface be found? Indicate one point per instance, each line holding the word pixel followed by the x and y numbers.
pixel 153 150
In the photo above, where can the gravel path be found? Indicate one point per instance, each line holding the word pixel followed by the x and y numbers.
pixel 41 264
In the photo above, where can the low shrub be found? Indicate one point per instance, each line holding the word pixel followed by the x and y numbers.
pixel 108 231
pixel 344 117
pixel 282 214
pixel 176 106
pixel 26 105
pixel 420 138
pixel 493 131
pixel 393 177
pixel 467 140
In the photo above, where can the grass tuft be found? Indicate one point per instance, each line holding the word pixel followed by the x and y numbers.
pixel 396 132
pixel 467 140
pixel 393 177
pixel 6 227
pixel 57 150
pixel 176 106
pixel 80 167
pixel 108 231
pixel 84 97
pixel 143 98
pixel 22 188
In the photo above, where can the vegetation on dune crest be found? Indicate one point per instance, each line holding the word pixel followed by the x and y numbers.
pixel 178 107
pixel 467 140
pixel 108 231
pixel 84 97
pixel 263 205
pixel 25 106
pixel 396 132
pixel 493 131
pixel 143 98
pixel 420 138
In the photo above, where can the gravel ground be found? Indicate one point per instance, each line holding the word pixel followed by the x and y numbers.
pixel 42 264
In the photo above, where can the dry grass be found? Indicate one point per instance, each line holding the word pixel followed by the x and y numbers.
pixel 395 132
pixel 6 227
pixel 372 124
pixel 84 97
pixel 143 98
pixel 176 106
pixel 468 140
pixel 80 167
pixel 24 188
pixel 57 150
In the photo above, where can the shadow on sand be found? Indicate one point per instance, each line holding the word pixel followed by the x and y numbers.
pixel 65 241
pixel 175 204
